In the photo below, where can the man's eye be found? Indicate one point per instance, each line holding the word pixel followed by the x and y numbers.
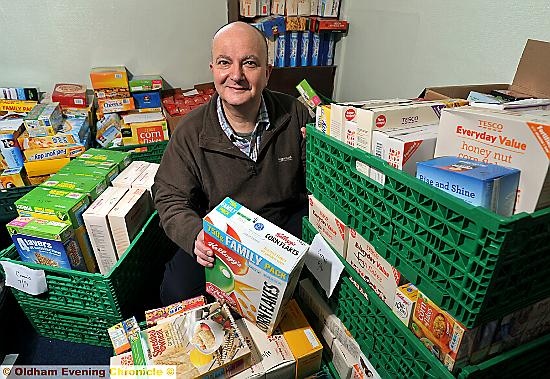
pixel 250 64
pixel 223 63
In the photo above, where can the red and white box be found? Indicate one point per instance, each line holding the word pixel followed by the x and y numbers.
pixel 70 95
pixel 331 227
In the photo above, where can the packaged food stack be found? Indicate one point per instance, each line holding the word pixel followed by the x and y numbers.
pixel 298 33
pixel 178 102
pixel 111 89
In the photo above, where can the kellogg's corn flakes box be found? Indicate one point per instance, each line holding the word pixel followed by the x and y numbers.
pixel 257 263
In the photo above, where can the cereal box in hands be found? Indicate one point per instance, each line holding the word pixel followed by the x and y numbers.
pixel 257 264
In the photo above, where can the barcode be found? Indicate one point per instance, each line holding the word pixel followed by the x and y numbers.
pixel 378 150
pixel 311 337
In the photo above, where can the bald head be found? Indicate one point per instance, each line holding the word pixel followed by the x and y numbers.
pixel 239 30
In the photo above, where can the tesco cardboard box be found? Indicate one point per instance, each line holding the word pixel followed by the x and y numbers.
pixel 531 77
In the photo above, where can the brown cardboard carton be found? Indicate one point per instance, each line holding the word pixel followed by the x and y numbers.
pixel 532 77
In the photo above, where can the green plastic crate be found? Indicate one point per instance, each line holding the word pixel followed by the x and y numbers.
pixel 395 352
pixel 7 199
pixel 472 262
pixel 78 305
pixel 148 152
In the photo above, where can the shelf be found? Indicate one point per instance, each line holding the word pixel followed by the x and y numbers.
pixel 285 79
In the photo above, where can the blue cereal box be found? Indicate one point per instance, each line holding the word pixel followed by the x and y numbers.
pixel 481 184
pixel 46 242
pixel 150 99
pixel 305 53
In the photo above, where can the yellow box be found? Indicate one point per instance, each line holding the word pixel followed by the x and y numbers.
pixel 70 151
pixel 109 77
pixel 22 106
pixel 301 339
pixel 115 105
pixel 144 132
pixel 13 177
pixel 47 167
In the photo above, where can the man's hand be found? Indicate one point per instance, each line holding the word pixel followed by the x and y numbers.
pixel 303 130
pixel 205 256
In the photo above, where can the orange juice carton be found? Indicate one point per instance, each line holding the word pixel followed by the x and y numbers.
pixel 257 264
pixel 47 242
pixel 13 177
pixel 43 120
pixel 271 356
pixel 128 216
pixel 403 148
pixel 447 339
pixel 153 316
pixel 97 225
pixel 405 300
pixel 130 174
pixel 331 227
pixel 204 342
pixel 382 277
pixel 301 339
pixel 516 139
pixel 109 77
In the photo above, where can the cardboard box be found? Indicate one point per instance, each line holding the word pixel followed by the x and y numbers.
pixel 70 95
pixel 72 131
pixel 116 105
pixel 141 83
pixel 23 106
pixel 301 339
pixel 42 154
pixel 203 343
pixel 323 118
pixel 405 300
pixel 10 153
pixel 43 120
pixel 278 7
pixel 481 184
pixel 99 231
pixel 47 242
pixel 89 185
pixel 271 356
pixel 382 277
pixel 403 148
pixel 109 77
pixel 144 132
pixel 147 178
pixel 335 232
pixel 149 99
pixel 128 216
pixel 108 129
pixel 515 139
pixel 130 174
pixel 83 167
pixel 13 177
pixel 343 362
pixel 257 264
pixel 154 316
pixel 529 78
pixel 41 168
pixel 121 158
pixel 248 8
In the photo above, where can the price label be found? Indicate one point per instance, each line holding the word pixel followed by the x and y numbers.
pixel 25 279
pixel 324 264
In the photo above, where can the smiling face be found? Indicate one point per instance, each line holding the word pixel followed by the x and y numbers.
pixel 239 65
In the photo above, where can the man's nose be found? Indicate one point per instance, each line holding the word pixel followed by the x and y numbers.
pixel 236 72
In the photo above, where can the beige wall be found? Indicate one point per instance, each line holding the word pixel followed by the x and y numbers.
pixel 50 41
pixel 395 48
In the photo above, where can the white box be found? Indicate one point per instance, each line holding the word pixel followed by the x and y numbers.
pixel 382 277
pixel 97 226
pixel 278 7
pixel 304 7
pixel 403 148
pixel 257 263
pixel 331 227
pixel 517 139
pixel 322 118
pixel 292 7
pixel 271 356
pixel 147 178
pixel 343 363
pixel 405 299
pixel 339 114
pixel 350 133
pixel 264 8
pixel 128 216
pixel 129 174
pixel 248 8
pixel 314 7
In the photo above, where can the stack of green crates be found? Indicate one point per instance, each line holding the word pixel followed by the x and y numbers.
pixel 149 152
pixel 475 264
pixel 80 306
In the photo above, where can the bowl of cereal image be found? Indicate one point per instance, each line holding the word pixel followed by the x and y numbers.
pixel 207 336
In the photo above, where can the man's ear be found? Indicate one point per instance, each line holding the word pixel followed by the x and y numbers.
pixel 211 65
pixel 268 71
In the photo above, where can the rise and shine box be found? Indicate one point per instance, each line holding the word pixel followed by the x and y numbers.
pixel 481 184
pixel 257 264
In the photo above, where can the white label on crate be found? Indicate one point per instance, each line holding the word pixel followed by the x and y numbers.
pixel 324 264
pixel 25 279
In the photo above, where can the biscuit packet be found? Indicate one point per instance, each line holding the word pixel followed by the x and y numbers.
pixel 154 315
pixel 202 342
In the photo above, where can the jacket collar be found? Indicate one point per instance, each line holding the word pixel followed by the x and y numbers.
pixel 212 137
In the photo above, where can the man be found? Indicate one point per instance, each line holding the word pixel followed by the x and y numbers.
pixel 247 143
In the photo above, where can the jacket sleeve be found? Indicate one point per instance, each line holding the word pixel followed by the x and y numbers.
pixel 177 193
pixel 304 118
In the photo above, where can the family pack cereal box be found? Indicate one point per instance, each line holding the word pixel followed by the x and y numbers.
pixel 257 263
pixel 46 242
pixel 204 342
